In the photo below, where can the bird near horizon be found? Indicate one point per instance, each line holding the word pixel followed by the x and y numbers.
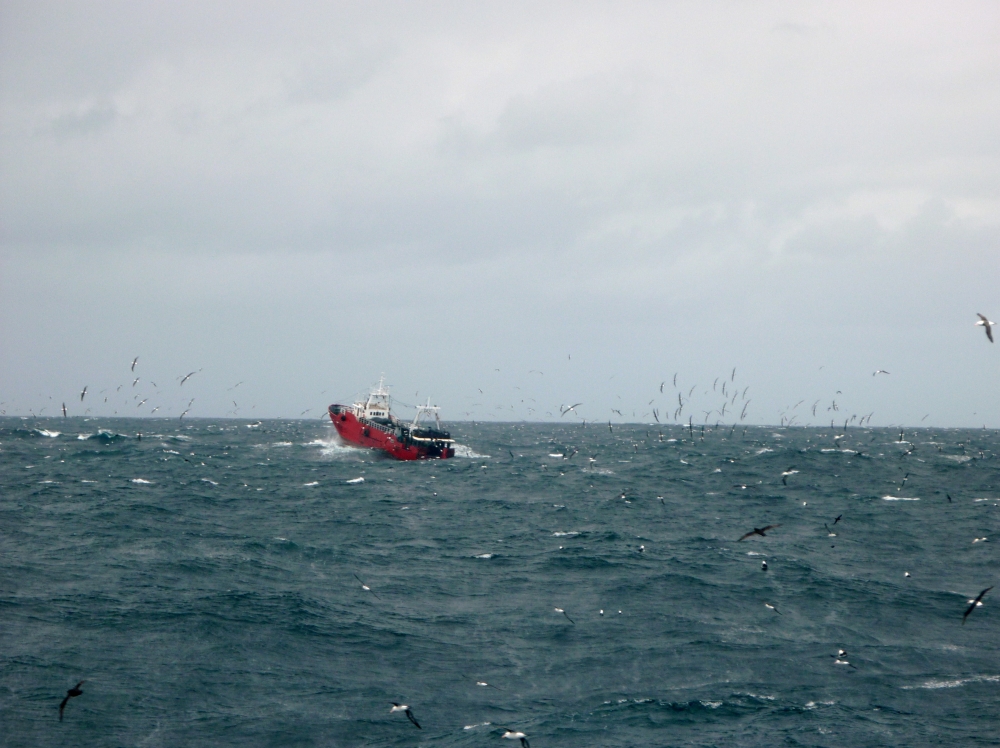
pixel 71 693
pixel 758 531
pixel 564 409
pixel 64 410
pixel 976 603
pixel 83 393
pixel 406 710
pixel 987 323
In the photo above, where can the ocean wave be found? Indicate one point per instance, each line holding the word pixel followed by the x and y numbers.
pixel 142 481
pixel 900 498
pixel 103 435
pixel 46 432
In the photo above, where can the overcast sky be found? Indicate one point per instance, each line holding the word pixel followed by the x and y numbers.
pixel 588 198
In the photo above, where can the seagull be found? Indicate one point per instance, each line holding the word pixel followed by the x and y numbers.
pixel 763 564
pixel 784 475
pixel 567 408
pixel 83 393
pixel 483 683
pixel 64 410
pixel 758 531
pixel 404 708
pixel 135 381
pixel 839 659
pixel 837 518
pixel 879 371
pixel 74 691
pixel 189 376
pixel 560 610
pixel 366 588
pixel 973 604
pixel 771 607
pixel 512 735
pixel 986 323
pixel 133 362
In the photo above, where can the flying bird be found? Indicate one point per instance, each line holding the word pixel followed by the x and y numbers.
pixel 64 410
pixel 879 371
pixel 560 610
pixel 983 321
pixel 188 377
pixel 564 409
pixel 758 531
pixel 133 362
pixel 837 518
pixel 83 393
pixel 135 381
pixel 404 708
pixel 784 475
pixel 512 735
pixel 973 604
pixel 71 693
pixel 366 588
pixel 771 607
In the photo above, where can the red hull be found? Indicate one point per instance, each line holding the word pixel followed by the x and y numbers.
pixel 376 436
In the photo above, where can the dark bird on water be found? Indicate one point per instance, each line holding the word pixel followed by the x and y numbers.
pixel 984 322
pixel 973 604
pixel 404 708
pixel 758 531
pixel 75 691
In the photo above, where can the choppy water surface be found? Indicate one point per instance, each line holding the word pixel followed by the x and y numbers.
pixel 202 581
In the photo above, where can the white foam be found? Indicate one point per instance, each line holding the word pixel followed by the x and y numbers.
pixel 314 483
pixel 142 481
pixel 282 444
pixel 556 454
pixel 957 458
pixel 940 683
pixel 356 480
pixel 463 451
pixel 473 727
pixel 485 555
pixel 206 480
pixel 900 498
pixel 564 534
pixel 46 432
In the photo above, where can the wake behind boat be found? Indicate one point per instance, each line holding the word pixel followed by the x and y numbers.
pixel 372 425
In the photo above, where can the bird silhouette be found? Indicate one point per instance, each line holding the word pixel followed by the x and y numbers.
pixel 71 693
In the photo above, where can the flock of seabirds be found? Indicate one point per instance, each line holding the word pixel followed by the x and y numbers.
pixel 839 659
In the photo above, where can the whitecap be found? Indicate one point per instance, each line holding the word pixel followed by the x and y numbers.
pixel 711 704
pixel 206 480
pixel 762 450
pixel 356 480
pixel 314 483
pixel 46 432
pixel 485 555
pixel 88 481
pixel 900 498
pixel 142 481
pixel 941 683
pixel 556 454
pixel 958 458
pixel 473 727
pixel 282 444
pixel 463 451
pixel 564 534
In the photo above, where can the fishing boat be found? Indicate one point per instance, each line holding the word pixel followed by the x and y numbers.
pixel 371 424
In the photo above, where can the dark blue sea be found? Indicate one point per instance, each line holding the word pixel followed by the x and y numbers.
pixel 206 582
